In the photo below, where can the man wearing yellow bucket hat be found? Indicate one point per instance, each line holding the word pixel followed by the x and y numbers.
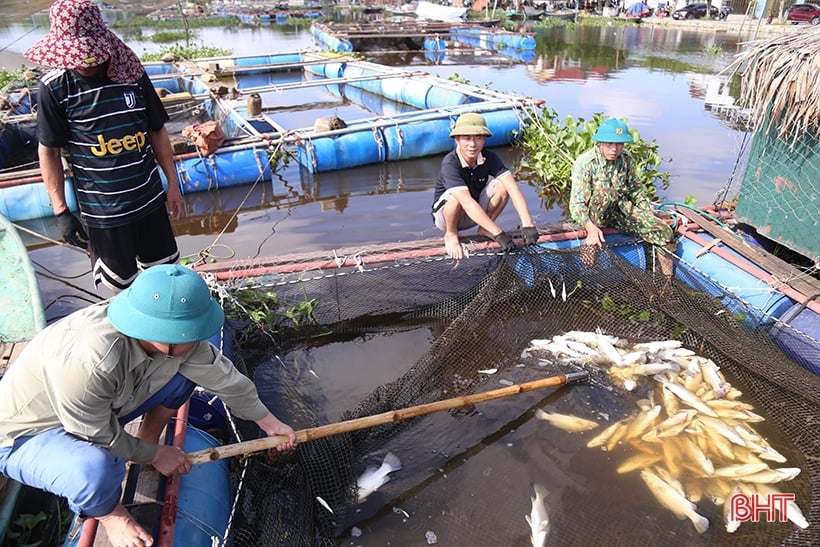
pixel 606 193
pixel 66 400
pixel 473 187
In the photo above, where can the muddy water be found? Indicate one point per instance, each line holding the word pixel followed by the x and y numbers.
pixel 654 77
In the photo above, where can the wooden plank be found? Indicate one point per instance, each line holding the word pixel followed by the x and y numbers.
pixel 8 354
pixel 779 269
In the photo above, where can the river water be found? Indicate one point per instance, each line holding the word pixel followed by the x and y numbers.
pixel 653 76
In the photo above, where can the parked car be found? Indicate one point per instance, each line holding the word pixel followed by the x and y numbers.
pixel 695 11
pixel 803 13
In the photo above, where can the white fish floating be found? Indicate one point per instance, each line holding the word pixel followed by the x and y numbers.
pixel 374 477
pixel 573 424
pixel 324 504
pixel 538 519
pixel 672 499
pixel 488 371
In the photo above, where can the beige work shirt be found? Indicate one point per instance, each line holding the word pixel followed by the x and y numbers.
pixel 82 374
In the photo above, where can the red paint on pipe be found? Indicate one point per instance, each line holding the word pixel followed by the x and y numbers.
pixel 88 535
pixel 759 273
pixel 238 270
pixel 168 519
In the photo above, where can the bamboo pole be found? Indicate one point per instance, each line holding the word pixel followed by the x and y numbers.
pixel 313 433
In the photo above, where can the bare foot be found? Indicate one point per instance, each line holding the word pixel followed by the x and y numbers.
pixel 453 246
pixel 123 531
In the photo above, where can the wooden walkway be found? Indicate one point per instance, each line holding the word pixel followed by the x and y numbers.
pixel 10 352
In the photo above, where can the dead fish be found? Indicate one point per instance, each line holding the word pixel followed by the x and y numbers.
pixel 566 422
pixel 722 428
pixel 603 437
pixel 732 524
pixel 672 499
pixel 374 477
pixel 738 471
pixel 608 350
pixel 659 345
pixel 687 397
pixel 794 513
pixel 711 373
pixel 538 519
pixel 639 461
pixel 771 476
pixel 673 425
pixel 324 504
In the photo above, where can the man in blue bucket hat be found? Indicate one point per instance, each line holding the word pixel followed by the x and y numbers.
pixel 473 187
pixel 65 401
pixel 606 193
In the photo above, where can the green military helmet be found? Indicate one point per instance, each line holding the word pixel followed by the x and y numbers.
pixel 612 130
pixel 169 304
pixel 471 123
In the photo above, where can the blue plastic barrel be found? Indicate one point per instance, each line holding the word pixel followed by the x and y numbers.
pixel 435 57
pixel 225 168
pixel 342 151
pixel 502 123
pixel 266 60
pixel 417 139
pixel 410 91
pixel 752 297
pixel 204 505
pixel 373 85
pixel 798 334
pixel 434 44
pixel 444 96
pixel 532 266
pixel 29 201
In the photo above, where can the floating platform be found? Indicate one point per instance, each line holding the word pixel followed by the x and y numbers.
pixel 422 35
pixel 280 103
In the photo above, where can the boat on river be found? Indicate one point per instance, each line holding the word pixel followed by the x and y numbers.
pixel 255 100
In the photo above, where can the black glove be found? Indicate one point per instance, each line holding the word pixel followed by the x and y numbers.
pixel 530 235
pixel 72 231
pixel 506 241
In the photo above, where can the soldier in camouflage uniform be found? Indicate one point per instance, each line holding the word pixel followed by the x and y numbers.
pixel 606 192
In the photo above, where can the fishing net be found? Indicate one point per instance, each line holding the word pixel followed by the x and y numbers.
pixel 468 326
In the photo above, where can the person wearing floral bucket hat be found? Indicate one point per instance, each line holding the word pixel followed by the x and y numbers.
pixel 66 400
pixel 606 193
pixel 99 106
pixel 473 188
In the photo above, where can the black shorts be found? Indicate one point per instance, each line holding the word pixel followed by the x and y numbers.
pixel 118 254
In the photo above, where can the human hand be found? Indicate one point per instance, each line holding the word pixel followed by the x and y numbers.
pixel 170 460
pixel 175 205
pixel 530 235
pixel 272 426
pixel 506 242
pixel 72 230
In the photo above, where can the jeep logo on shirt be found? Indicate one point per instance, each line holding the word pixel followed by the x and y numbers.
pixel 128 143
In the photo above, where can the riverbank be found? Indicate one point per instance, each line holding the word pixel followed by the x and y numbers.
pixel 736 24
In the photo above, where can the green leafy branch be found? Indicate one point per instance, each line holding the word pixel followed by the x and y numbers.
pixel 550 147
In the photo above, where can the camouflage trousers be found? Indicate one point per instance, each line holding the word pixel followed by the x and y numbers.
pixel 635 220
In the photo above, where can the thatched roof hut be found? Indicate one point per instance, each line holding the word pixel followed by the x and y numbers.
pixel 781 83
pixel 780 188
